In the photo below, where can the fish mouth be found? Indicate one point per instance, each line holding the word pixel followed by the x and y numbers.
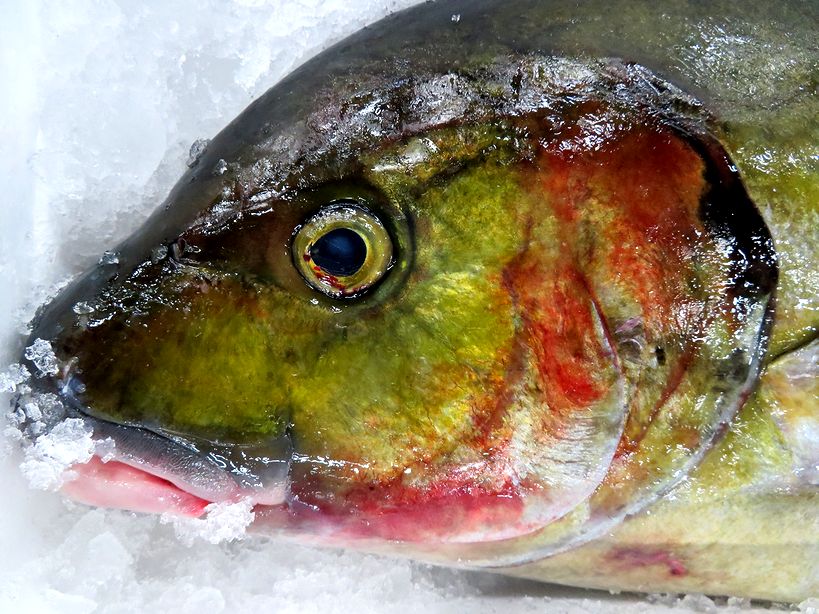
pixel 142 470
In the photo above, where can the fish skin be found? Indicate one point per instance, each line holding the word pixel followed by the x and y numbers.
pixel 621 561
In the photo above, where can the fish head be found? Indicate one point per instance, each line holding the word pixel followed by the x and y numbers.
pixel 479 312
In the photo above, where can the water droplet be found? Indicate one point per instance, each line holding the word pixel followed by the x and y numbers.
pixel 220 168
pixel 198 149
pixel 109 258
pixel 159 253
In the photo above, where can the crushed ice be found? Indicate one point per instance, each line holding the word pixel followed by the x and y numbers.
pixel 43 357
pixel 159 253
pixel 109 257
pixel 220 168
pixel 46 463
pixel 699 603
pixel 223 522
pixel 83 308
pixel 12 377
pixel 198 149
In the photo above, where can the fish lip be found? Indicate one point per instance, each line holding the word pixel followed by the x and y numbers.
pixel 176 460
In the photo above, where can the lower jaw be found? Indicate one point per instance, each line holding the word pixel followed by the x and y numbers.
pixel 116 485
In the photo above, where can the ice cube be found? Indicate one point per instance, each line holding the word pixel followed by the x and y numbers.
pixel 223 522
pixel 47 461
pixel 43 357
pixel 13 376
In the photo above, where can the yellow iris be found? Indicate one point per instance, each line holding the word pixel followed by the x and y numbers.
pixel 343 250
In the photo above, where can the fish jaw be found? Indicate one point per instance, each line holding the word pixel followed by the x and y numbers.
pixel 145 483
pixel 135 469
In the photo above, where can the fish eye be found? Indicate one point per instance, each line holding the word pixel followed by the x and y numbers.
pixel 343 250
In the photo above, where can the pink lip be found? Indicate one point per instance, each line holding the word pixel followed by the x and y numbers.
pixel 116 485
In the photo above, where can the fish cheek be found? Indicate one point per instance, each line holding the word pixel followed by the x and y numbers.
pixel 404 391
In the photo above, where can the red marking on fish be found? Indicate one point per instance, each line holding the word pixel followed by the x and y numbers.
pixel 453 505
pixel 559 317
pixel 637 557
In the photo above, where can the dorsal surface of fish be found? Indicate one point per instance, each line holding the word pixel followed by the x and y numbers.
pixel 523 286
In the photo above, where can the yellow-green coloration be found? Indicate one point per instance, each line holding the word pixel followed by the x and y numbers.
pixel 469 220
pixel 450 333
pixel 212 371
pixel 250 382
pixel 470 215
pixel 457 319
pixel 781 170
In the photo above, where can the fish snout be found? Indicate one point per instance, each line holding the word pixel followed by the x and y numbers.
pixel 142 459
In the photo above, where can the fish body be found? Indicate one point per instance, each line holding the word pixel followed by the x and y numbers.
pixel 524 286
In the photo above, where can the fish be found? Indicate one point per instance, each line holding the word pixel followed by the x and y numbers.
pixel 527 287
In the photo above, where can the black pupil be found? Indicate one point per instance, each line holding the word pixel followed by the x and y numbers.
pixel 340 252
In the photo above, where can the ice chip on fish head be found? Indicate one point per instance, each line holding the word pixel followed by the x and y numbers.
pixel 475 307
